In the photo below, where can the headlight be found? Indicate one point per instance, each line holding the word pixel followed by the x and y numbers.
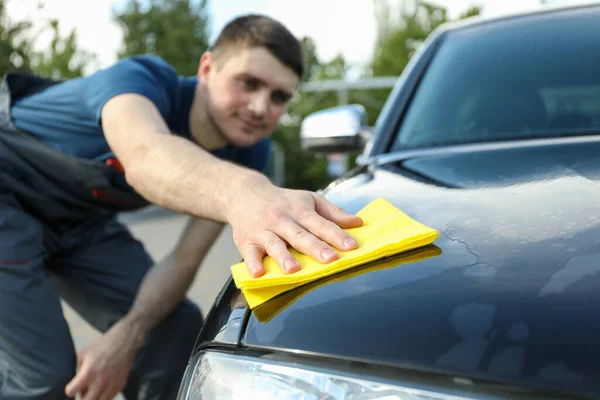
pixel 222 376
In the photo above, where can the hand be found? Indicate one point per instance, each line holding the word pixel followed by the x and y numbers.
pixel 104 365
pixel 268 219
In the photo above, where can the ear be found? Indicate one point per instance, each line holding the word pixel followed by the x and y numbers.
pixel 206 66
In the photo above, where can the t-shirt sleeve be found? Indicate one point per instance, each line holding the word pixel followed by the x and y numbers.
pixel 149 76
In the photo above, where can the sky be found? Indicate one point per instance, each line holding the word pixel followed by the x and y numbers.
pixel 338 26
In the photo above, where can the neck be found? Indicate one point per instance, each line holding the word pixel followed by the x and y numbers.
pixel 202 127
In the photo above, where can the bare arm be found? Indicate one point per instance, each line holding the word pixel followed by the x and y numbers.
pixel 167 283
pixel 166 169
pixel 174 173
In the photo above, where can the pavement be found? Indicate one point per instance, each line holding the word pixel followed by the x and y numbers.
pixel 159 231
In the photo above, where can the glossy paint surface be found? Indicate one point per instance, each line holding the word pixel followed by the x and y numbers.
pixel 509 291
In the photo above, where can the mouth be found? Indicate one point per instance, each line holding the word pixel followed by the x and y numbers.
pixel 251 125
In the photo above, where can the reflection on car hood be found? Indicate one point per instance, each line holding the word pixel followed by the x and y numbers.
pixel 513 291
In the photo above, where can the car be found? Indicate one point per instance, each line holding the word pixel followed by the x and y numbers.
pixel 491 137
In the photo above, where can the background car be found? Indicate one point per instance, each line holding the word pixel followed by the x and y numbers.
pixel 490 137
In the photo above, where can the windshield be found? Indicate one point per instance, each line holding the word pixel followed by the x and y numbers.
pixel 523 78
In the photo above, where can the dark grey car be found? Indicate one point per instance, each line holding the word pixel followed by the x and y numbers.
pixel 492 137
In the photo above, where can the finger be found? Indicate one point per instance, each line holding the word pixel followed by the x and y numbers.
pixel 253 256
pixel 278 250
pixel 95 391
pixel 335 213
pixel 327 230
pixel 306 242
pixel 80 382
pixel 111 396
pixel 109 393
pixel 118 388
pixel 111 387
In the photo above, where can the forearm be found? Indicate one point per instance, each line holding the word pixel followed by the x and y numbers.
pixel 169 170
pixel 163 288
pixel 165 285
pixel 182 177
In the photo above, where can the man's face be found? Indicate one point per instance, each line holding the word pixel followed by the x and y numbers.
pixel 248 92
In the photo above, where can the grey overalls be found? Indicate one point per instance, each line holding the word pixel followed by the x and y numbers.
pixel 59 237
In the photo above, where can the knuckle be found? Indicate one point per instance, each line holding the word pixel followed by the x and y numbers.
pixel 316 246
pixel 87 375
pixel 307 215
pixel 275 215
pixel 273 242
pixel 250 250
pixel 101 380
pixel 337 210
pixel 301 234
pixel 326 225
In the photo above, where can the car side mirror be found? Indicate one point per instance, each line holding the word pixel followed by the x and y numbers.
pixel 341 129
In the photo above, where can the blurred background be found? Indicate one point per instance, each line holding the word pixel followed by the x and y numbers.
pixel 355 50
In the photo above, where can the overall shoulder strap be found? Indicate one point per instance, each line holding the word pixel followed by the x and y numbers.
pixel 22 84
pixel 16 85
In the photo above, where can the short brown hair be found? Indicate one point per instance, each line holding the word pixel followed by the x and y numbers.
pixel 255 30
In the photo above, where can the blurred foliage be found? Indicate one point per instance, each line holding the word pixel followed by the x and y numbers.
pixel 176 30
pixel 62 59
pixel 472 11
pixel 400 35
pixel 15 46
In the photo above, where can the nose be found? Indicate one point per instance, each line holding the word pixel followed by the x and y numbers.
pixel 259 103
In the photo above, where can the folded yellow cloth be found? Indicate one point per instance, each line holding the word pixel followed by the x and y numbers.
pixel 268 310
pixel 385 231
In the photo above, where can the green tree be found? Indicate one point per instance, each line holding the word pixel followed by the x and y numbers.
pixel 15 43
pixel 63 59
pixel 472 11
pixel 397 44
pixel 312 63
pixel 176 30
pixel 399 39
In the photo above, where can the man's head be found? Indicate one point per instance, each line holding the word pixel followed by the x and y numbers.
pixel 245 81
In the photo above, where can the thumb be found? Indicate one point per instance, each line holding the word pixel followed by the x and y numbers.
pixel 335 213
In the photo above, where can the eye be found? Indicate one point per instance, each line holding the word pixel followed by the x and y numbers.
pixel 280 98
pixel 250 84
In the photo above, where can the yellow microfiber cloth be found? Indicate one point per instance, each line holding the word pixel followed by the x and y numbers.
pixel 267 311
pixel 385 231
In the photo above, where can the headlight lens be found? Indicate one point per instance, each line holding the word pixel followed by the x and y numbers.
pixel 224 377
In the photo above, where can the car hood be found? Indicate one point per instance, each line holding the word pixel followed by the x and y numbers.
pixel 509 291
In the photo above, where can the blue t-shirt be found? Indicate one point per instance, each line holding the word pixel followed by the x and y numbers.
pixel 66 116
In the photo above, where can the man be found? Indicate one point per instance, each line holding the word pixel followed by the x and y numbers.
pixel 75 153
